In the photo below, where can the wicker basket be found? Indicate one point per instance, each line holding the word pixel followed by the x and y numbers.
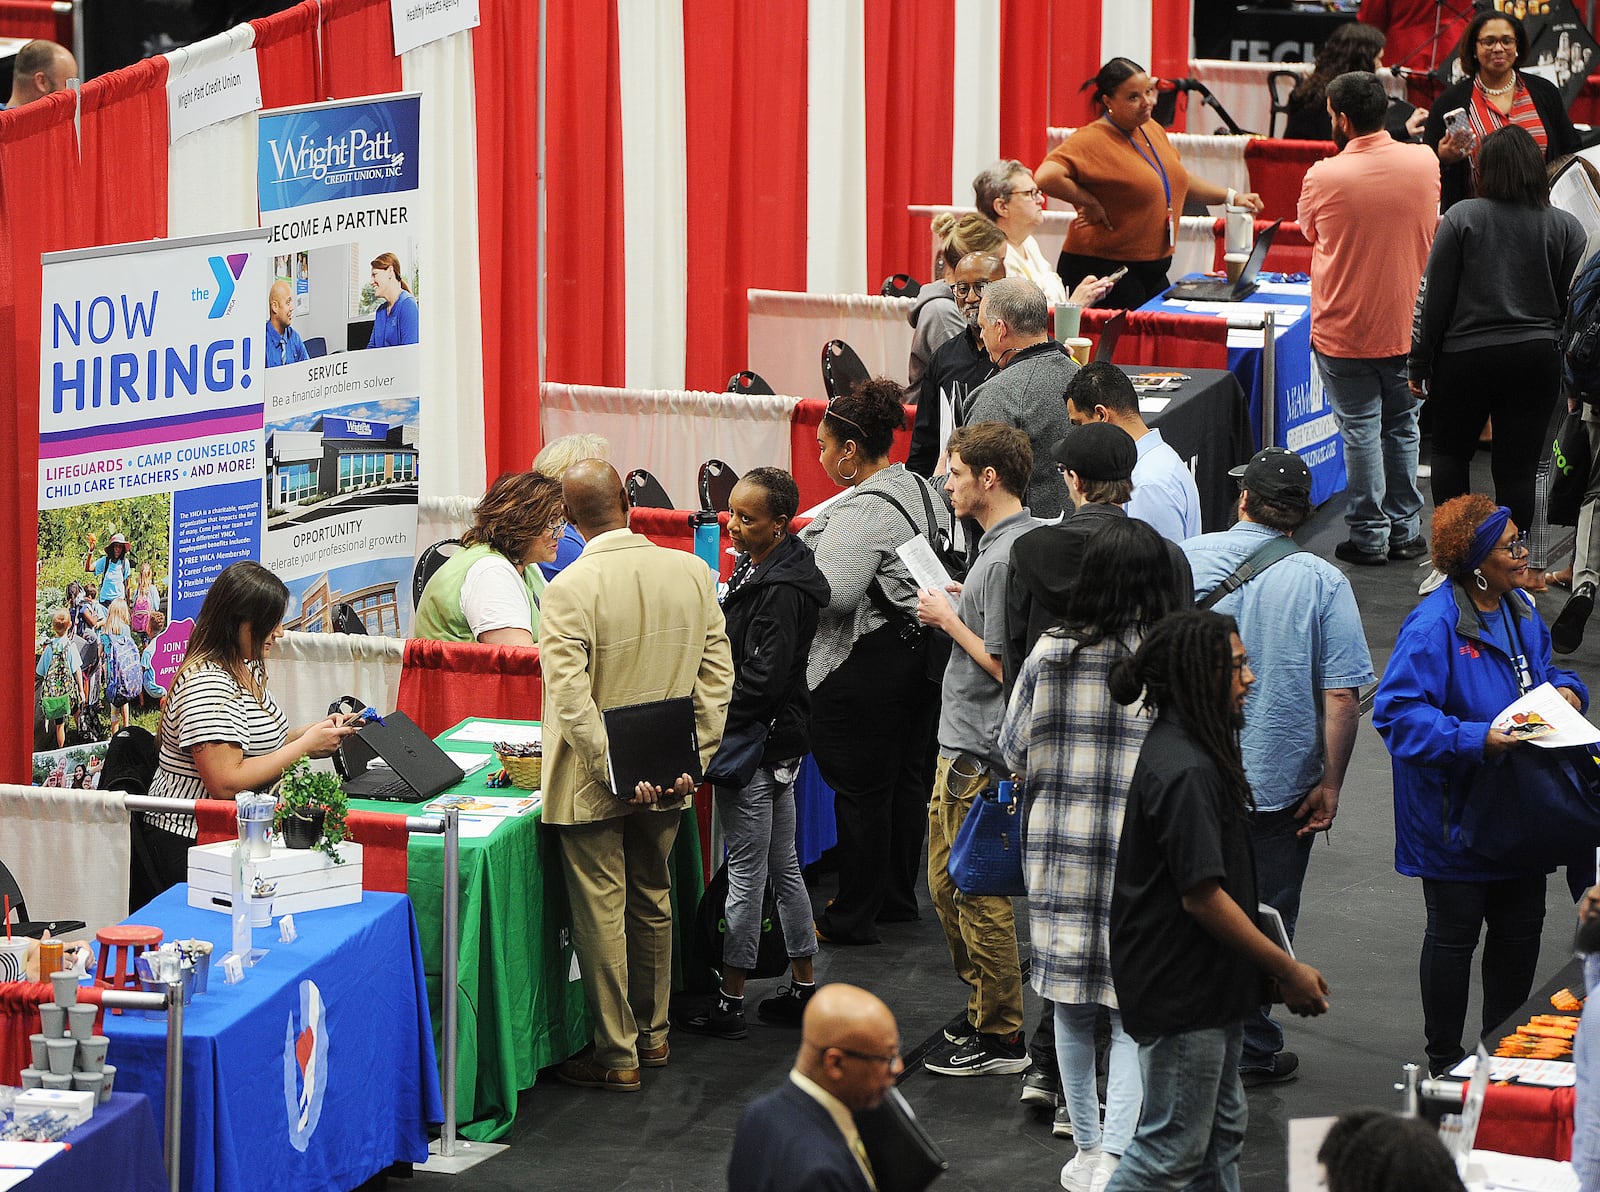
pixel 525 772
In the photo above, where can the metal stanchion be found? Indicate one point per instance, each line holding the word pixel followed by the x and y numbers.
pixel 1269 379
pixel 174 1101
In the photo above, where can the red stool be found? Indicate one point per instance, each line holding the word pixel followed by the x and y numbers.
pixel 118 947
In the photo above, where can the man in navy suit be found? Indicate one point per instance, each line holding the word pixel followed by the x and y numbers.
pixel 801 1137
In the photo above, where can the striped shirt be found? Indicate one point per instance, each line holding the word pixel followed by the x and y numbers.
pixel 207 705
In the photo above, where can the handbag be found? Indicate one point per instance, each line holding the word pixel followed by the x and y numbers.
pixel 986 856
pixel 739 756
pixel 711 929
pixel 1533 808
pixel 1570 462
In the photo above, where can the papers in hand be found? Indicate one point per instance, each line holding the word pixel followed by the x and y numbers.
pixel 1544 718
pixel 924 566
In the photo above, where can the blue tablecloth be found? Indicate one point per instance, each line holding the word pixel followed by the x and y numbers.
pixel 1303 415
pixel 117 1150
pixel 815 829
pixel 317 1071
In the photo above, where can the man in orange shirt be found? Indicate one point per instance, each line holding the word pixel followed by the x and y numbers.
pixel 1370 214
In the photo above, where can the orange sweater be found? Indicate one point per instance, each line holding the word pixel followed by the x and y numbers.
pixel 1099 158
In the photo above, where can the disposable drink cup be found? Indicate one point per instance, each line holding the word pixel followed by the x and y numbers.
pixel 58 1081
pixel 1068 317
pixel 1079 347
pixel 92 1053
pixel 14 958
pixel 66 987
pixel 110 1074
pixel 53 1018
pixel 63 1053
pixel 33 1078
pixel 88 1082
pixel 80 1020
pixel 1234 263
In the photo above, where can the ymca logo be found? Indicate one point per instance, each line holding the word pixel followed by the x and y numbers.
pixel 227 270
pixel 305 1066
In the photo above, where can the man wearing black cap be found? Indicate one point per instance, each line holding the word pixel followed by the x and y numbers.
pixel 1298 618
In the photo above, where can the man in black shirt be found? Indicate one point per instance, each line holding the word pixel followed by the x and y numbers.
pixel 959 366
pixel 1186 954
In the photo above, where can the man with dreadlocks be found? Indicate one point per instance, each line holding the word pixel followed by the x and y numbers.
pixel 1186 955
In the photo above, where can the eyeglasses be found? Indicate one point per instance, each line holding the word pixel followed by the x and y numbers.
pixel 556 528
pixel 1240 665
pixel 887 1061
pixel 1036 194
pixel 1517 547
pixel 1507 41
pixel 968 289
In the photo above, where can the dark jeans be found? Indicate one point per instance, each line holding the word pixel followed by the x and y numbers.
pixel 1281 859
pixel 1144 280
pixel 872 723
pixel 1516 385
pixel 1514 911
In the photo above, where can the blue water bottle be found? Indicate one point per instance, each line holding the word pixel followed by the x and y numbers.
pixel 707 538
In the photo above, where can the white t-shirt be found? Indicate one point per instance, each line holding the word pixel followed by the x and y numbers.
pixel 1029 262
pixel 494 596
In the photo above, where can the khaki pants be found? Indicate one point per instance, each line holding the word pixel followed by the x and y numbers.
pixel 980 929
pixel 617 884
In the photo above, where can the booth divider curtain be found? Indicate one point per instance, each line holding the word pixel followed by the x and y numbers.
pixel 815 484
pixel 286 51
pixel 1025 38
pixel 443 683
pixel 35 18
pixel 1168 340
pixel 1277 169
pixel 124 153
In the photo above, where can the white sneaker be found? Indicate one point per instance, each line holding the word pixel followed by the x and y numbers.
pixel 1103 1173
pixel 1079 1172
pixel 1436 579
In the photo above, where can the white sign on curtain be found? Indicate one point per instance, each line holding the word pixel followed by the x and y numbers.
pixel 417 22
pixel 211 94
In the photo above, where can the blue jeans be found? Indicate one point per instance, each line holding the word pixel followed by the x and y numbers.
pixel 1192 1128
pixel 758 823
pixel 1377 416
pixel 1281 860
pixel 1074 1029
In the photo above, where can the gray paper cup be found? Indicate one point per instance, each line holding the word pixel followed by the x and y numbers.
pixel 80 1020
pixel 66 986
pixel 89 1082
pixel 41 1053
pixel 92 1054
pixel 32 1078
pixel 54 1020
pixel 63 1053
pixel 60 1082
pixel 110 1074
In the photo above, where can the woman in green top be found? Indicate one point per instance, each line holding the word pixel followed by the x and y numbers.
pixel 489 591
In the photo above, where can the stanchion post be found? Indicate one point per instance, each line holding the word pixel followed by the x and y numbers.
pixel 448 978
pixel 1269 379
pixel 173 1143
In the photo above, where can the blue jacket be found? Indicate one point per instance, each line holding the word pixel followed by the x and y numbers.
pixel 1444 684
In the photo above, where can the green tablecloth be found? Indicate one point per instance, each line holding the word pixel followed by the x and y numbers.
pixel 520 1003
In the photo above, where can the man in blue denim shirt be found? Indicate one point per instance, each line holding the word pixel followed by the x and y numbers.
pixel 1301 626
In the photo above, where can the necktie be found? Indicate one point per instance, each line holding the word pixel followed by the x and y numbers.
pixel 860 1149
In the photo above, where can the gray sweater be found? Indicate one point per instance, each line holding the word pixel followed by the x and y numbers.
pixel 1498 273
pixel 1030 393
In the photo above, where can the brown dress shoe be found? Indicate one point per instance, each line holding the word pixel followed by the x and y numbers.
pixel 654 1057
pixel 586 1074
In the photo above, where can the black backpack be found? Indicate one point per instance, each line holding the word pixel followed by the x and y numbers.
pixel 1580 334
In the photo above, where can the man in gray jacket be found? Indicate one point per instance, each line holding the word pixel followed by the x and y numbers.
pixel 1029 391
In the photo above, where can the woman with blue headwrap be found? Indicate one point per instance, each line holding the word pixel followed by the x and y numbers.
pixel 1469 649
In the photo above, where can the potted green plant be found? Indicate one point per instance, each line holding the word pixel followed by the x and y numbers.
pixel 311 810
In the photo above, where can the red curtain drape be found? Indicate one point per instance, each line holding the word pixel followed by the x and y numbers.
pixel 910 55
pixel 744 71
pixel 585 267
pixel 443 683
pixel 1277 169
pixel 1074 56
pixel 358 55
pixel 41 210
pixel 34 18
pixel 286 52
pixel 1169 39
pixel 124 146
pixel 507 109
pixel 813 482
pixel 1167 340
pixel 1024 80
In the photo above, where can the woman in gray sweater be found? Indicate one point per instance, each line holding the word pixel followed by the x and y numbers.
pixel 1483 340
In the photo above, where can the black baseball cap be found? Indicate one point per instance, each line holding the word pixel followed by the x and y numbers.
pixel 1098 451
pixel 1277 474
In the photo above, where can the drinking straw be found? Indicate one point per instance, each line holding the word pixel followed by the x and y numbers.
pixel 8 918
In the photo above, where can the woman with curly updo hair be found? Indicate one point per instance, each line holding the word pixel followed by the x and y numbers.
pixel 872 706
pixel 1469 649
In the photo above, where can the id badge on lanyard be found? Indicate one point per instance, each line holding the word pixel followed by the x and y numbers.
pixel 1153 160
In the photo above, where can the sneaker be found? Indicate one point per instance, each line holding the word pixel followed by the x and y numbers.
pixel 723 1019
pixel 1285 1066
pixel 1349 552
pixel 1080 1170
pixel 985 1055
pixel 1103 1174
pixel 1039 1089
pixel 1062 1126
pixel 1414 548
pixel 1566 633
pixel 1436 579
pixel 959 1029
pixel 786 1007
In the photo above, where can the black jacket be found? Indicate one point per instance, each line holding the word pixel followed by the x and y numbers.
pixel 1560 137
pixel 771 620
pixel 958 367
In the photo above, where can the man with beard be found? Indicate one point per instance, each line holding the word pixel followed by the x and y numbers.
pixel 959 366
pixel 1369 213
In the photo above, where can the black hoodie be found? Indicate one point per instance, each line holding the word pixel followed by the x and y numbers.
pixel 772 617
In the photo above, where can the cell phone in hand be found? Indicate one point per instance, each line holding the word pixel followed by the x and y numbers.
pixel 1117 276
pixel 1455 123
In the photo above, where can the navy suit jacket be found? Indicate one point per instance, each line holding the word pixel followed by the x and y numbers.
pixel 787 1142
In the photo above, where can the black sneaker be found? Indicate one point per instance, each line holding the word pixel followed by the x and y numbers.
pixel 985 1055
pixel 1285 1066
pixel 1411 548
pixel 1039 1089
pixel 723 1019
pixel 1349 552
pixel 960 1029
pixel 787 1006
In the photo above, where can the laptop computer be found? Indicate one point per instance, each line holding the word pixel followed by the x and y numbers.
pixel 1224 290
pixel 1109 334
pixel 397 762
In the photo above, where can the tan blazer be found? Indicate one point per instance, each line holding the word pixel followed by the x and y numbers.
pixel 625 623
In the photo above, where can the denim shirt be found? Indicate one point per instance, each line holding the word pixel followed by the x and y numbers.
pixel 1586 1108
pixel 1302 630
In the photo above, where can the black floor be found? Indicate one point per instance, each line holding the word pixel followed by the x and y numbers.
pixel 1361 924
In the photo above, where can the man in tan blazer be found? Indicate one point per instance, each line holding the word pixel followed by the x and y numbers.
pixel 626 623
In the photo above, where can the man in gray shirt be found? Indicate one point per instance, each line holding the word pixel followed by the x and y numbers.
pixel 989 468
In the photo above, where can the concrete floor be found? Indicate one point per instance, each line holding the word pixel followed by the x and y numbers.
pixel 1361 924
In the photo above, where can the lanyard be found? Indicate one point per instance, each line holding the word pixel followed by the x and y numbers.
pixel 1514 649
pixel 1153 160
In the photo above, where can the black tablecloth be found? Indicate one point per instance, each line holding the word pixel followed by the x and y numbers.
pixel 1207 423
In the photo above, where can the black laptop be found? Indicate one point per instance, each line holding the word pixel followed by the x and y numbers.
pixel 396 761
pixel 1109 335
pixel 1224 290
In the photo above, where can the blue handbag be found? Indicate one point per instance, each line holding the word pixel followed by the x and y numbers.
pixel 986 857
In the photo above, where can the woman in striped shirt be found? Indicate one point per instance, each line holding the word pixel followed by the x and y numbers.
pixel 222 733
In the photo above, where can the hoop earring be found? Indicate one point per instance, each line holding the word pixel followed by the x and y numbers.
pixel 852 475
pixel 1478 578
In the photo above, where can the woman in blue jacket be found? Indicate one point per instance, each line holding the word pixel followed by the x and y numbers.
pixel 1468 650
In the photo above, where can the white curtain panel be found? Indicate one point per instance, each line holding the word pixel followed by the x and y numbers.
pixel 212 171
pixel 1126 31
pixel 671 432
pixel 69 851
pixel 440 518
pixel 836 148
pixel 452 312
pixel 788 331
pixel 308 671
pixel 975 95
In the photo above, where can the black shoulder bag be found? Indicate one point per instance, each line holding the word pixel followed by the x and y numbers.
pixel 935 646
pixel 1260 559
